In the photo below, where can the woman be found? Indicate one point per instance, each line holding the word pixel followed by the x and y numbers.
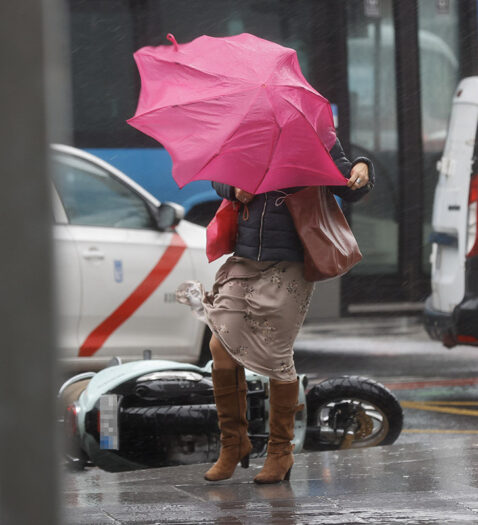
pixel 255 310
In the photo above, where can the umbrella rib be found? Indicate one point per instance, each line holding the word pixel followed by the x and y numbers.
pixel 310 91
pixel 305 118
pixel 203 71
pixel 194 101
pixel 234 44
pixel 229 136
pixel 278 137
pixel 303 168
pixel 275 145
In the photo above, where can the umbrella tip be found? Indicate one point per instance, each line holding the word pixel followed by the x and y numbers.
pixel 171 38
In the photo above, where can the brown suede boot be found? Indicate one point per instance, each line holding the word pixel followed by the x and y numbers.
pixel 283 406
pixel 230 389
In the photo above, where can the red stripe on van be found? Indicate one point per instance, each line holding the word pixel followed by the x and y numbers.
pixel 158 274
pixel 473 198
pixel 466 339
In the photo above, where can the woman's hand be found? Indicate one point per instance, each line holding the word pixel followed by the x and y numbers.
pixel 358 176
pixel 243 196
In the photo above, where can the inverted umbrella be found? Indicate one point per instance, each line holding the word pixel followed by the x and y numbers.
pixel 236 110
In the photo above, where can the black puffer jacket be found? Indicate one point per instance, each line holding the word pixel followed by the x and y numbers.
pixel 266 231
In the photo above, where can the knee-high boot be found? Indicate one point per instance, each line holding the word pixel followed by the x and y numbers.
pixel 283 406
pixel 230 389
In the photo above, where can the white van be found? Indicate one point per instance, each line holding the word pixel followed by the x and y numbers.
pixel 451 311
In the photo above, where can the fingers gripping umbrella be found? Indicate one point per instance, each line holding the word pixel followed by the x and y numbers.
pixel 236 110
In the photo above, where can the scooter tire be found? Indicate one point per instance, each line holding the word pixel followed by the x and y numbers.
pixel 360 389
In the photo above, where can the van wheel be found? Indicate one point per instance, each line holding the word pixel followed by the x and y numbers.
pixel 205 354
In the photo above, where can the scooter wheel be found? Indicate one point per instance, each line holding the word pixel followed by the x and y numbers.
pixel 351 412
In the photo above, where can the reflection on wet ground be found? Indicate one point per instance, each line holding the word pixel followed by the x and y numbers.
pixel 430 475
pixel 421 482
pixel 437 387
pixel 437 408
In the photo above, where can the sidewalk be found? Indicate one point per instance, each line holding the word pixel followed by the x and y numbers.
pixel 365 326
pixel 420 479
pixel 388 349
pixel 416 483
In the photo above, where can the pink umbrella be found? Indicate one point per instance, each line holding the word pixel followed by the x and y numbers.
pixel 236 110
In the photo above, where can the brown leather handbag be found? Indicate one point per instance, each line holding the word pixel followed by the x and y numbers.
pixel 330 248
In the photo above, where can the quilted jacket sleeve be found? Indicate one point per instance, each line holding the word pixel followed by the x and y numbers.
pixel 345 165
pixel 224 190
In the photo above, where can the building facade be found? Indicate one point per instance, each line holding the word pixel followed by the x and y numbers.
pixel 390 67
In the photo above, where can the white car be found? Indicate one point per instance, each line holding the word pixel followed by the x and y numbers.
pixel 119 256
pixel 451 311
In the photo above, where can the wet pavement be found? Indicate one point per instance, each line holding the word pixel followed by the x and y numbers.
pixel 413 483
pixel 388 349
pixel 430 475
pixel 436 386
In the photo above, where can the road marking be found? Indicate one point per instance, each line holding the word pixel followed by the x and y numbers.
pixel 436 431
pixel 452 403
pixel 414 385
pixel 126 309
pixel 443 407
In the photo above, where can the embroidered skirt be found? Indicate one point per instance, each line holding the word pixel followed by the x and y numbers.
pixel 256 309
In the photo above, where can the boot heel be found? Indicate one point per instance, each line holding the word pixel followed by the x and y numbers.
pixel 287 476
pixel 245 461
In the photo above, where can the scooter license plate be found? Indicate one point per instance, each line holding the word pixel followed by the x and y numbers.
pixel 108 422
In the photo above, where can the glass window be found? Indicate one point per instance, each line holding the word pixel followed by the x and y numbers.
pixel 104 35
pixel 439 76
pixel 373 131
pixel 270 19
pixel 92 197
pixel 104 76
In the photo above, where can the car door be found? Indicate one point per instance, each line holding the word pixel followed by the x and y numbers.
pixel 129 269
pixel 67 274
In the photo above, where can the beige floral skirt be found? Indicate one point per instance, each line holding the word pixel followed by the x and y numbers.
pixel 256 309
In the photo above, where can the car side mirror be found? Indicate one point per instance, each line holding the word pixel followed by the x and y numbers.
pixel 168 215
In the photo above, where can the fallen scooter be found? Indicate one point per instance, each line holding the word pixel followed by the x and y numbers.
pixel 156 413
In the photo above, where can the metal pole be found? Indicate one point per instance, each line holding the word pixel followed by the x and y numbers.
pixel 377 88
pixel 410 146
pixel 468 37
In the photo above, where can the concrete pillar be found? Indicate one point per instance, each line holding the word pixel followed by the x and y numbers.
pixel 28 442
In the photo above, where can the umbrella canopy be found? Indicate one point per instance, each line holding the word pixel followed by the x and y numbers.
pixel 236 110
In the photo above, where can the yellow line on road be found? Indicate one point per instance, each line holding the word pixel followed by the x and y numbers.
pixel 436 431
pixel 451 403
pixel 417 405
